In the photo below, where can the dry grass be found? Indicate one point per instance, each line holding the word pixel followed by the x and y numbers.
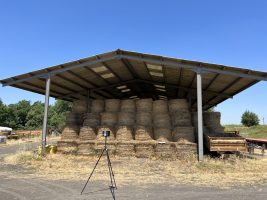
pixel 30 140
pixel 213 172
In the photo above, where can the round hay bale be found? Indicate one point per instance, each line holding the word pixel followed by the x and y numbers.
pixel 87 149
pixel 70 132
pixel 109 119
pixel 87 133
pixel 144 150
pixel 215 129
pixel 163 134
pixel 125 150
pixel 165 151
pixel 124 133
pixel 143 133
pixel 79 106
pixel 144 119
pixel 177 105
pixel 105 128
pixel 212 118
pixel 97 106
pixel 112 105
pixel 144 105
pixel 162 121
pixel 73 119
pixel 126 119
pixel 160 106
pixel 92 119
pixel 182 118
pixel 128 105
pixel 183 134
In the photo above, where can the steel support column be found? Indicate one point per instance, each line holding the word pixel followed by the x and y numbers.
pixel 47 94
pixel 200 118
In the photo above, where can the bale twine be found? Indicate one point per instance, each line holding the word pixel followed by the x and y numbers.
pixel 144 150
pixel 92 120
pixel 143 133
pixel 112 105
pixel 124 133
pixel 99 146
pixel 128 105
pixel 87 148
pixel 143 119
pixel 80 106
pixel 182 118
pixel 109 119
pixel 183 134
pixel 144 105
pixel 162 121
pixel 87 133
pixel 160 106
pixel 177 105
pixel 212 118
pixel 163 134
pixel 125 149
pixel 68 147
pixel 165 151
pixel 126 119
pixel 70 132
pixel 97 106
pixel 105 128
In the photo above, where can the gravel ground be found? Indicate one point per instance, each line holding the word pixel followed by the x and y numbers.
pixel 12 187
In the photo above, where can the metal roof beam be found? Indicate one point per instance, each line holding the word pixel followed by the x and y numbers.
pixel 193 67
pixel 184 88
pixel 105 87
pixel 54 72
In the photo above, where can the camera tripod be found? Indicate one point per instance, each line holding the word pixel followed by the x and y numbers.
pixel 113 185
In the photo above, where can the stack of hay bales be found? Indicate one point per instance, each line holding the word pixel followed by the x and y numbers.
pixel 143 127
pixel 72 126
pixel 86 148
pixel 161 121
pixel 183 131
pixel 165 150
pixel 144 149
pixel 124 129
pixel 74 120
pixel 212 120
pixel 90 124
pixel 68 147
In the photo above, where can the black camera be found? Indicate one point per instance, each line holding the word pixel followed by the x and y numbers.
pixel 106 133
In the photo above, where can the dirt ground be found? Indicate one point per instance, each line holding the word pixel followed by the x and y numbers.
pixel 20 183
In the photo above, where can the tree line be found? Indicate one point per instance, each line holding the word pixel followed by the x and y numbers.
pixel 25 115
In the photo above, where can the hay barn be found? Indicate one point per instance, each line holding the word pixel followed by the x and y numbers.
pixel 153 105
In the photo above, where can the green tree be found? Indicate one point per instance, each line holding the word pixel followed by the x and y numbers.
pixel 249 119
pixel 3 114
pixel 58 114
pixel 35 116
pixel 17 114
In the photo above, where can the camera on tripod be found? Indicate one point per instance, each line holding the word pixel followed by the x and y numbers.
pixel 106 133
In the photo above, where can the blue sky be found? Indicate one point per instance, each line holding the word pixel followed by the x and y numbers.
pixel 36 34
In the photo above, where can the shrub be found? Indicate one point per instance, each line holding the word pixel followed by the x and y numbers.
pixel 249 119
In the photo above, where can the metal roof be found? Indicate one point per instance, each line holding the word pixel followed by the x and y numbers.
pixel 124 74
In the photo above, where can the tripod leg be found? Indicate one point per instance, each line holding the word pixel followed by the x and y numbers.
pixel 93 171
pixel 112 177
pixel 112 192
